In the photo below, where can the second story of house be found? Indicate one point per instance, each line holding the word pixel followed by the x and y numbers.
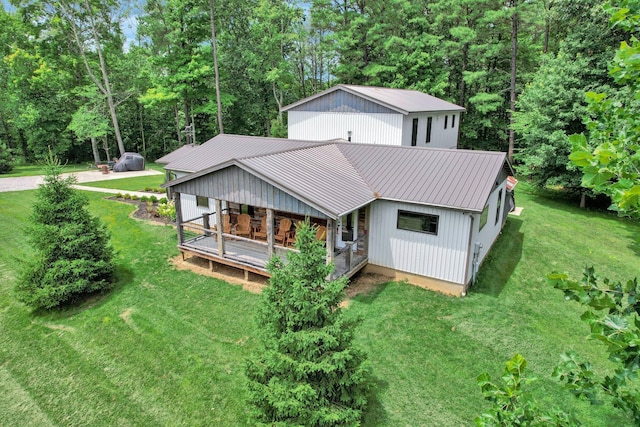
pixel 375 115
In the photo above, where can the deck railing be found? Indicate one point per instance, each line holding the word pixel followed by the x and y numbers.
pixel 352 255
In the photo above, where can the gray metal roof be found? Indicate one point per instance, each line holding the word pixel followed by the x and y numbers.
pixel 339 177
pixel 402 100
pixel 458 179
pixel 225 147
pixel 176 154
pixel 320 175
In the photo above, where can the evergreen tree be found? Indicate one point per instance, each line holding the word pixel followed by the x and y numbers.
pixel 5 159
pixel 73 255
pixel 306 371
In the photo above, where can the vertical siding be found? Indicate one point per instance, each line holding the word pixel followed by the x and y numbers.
pixel 372 128
pixel 440 137
pixel 491 230
pixel 441 256
pixel 233 184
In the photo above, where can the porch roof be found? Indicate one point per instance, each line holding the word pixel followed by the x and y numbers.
pixel 337 177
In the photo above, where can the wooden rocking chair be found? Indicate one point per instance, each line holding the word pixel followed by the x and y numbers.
pixel 244 225
pixel 261 231
pixel 226 224
pixel 281 235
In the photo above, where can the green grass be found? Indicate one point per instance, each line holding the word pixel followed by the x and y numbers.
pixel 129 184
pixel 31 170
pixel 167 347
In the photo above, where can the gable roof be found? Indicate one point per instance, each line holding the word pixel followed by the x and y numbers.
pixel 225 147
pixel 176 154
pixel 403 101
pixel 338 177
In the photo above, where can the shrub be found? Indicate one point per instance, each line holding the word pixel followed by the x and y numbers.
pixel 153 199
pixel 127 196
pixel 134 197
pixel 118 195
pixel 144 199
pixel 167 210
pixel 163 201
pixel 73 254
pixel 6 165
pixel 147 188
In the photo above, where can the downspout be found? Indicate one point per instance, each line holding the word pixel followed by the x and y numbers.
pixel 466 276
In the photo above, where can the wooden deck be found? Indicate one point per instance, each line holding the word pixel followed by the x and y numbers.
pixel 252 255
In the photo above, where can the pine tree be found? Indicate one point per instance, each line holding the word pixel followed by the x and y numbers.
pixel 307 370
pixel 73 255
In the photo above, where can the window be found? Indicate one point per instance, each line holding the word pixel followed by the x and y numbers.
pixel 429 123
pixel 498 205
pixel 484 217
pixel 202 202
pixel 453 121
pixel 415 221
pixel 445 121
pixel 414 133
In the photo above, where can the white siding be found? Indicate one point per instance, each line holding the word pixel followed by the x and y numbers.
pixel 442 256
pixel 440 137
pixel 370 128
pixel 489 233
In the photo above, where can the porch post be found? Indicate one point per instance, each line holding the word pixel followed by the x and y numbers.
pixel 205 224
pixel 178 206
pixel 331 239
pixel 270 235
pixel 219 227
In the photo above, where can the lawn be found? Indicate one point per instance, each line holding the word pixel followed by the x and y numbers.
pixel 129 184
pixel 167 347
pixel 31 170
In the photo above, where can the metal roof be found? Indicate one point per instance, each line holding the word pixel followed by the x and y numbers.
pixel 225 147
pixel 176 154
pixel 404 101
pixel 320 175
pixel 458 179
pixel 339 177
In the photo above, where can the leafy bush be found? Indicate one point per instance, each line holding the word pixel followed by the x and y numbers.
pixel 118 195
pixel 167 210
pixel 127 196
pixel 153 199
pixel 144 199
pixel 134 197
pixel 163 201
pixel 73 254
pixel 147 188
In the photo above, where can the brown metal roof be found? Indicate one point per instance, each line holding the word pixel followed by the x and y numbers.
pixel 176 154
pixel 340 177
pixel 225 147
pixel 402 100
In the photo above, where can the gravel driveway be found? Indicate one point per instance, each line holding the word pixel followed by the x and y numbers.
pixel 32 182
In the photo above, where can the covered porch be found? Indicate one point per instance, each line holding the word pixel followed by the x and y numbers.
pixel 249 253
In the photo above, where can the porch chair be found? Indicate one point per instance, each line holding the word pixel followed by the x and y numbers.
pixel 321 233
pixel 243 228
pixel 226 224
pixel 261 231
pixel 283 229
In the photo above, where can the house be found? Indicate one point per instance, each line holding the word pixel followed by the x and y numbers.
pixel 425 214
pixel 375 115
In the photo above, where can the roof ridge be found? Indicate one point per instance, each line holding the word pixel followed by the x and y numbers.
pixel 405 147
pixel 374 192
pixel 312 144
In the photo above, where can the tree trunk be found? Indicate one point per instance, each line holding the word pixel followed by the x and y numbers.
pixel 144 142
pixel 23 145
pixel 514 51
pixel 94 148
pixel 215 64
pixel 178 130
pixel 106 83
pixel 583 200
pixel 105 147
